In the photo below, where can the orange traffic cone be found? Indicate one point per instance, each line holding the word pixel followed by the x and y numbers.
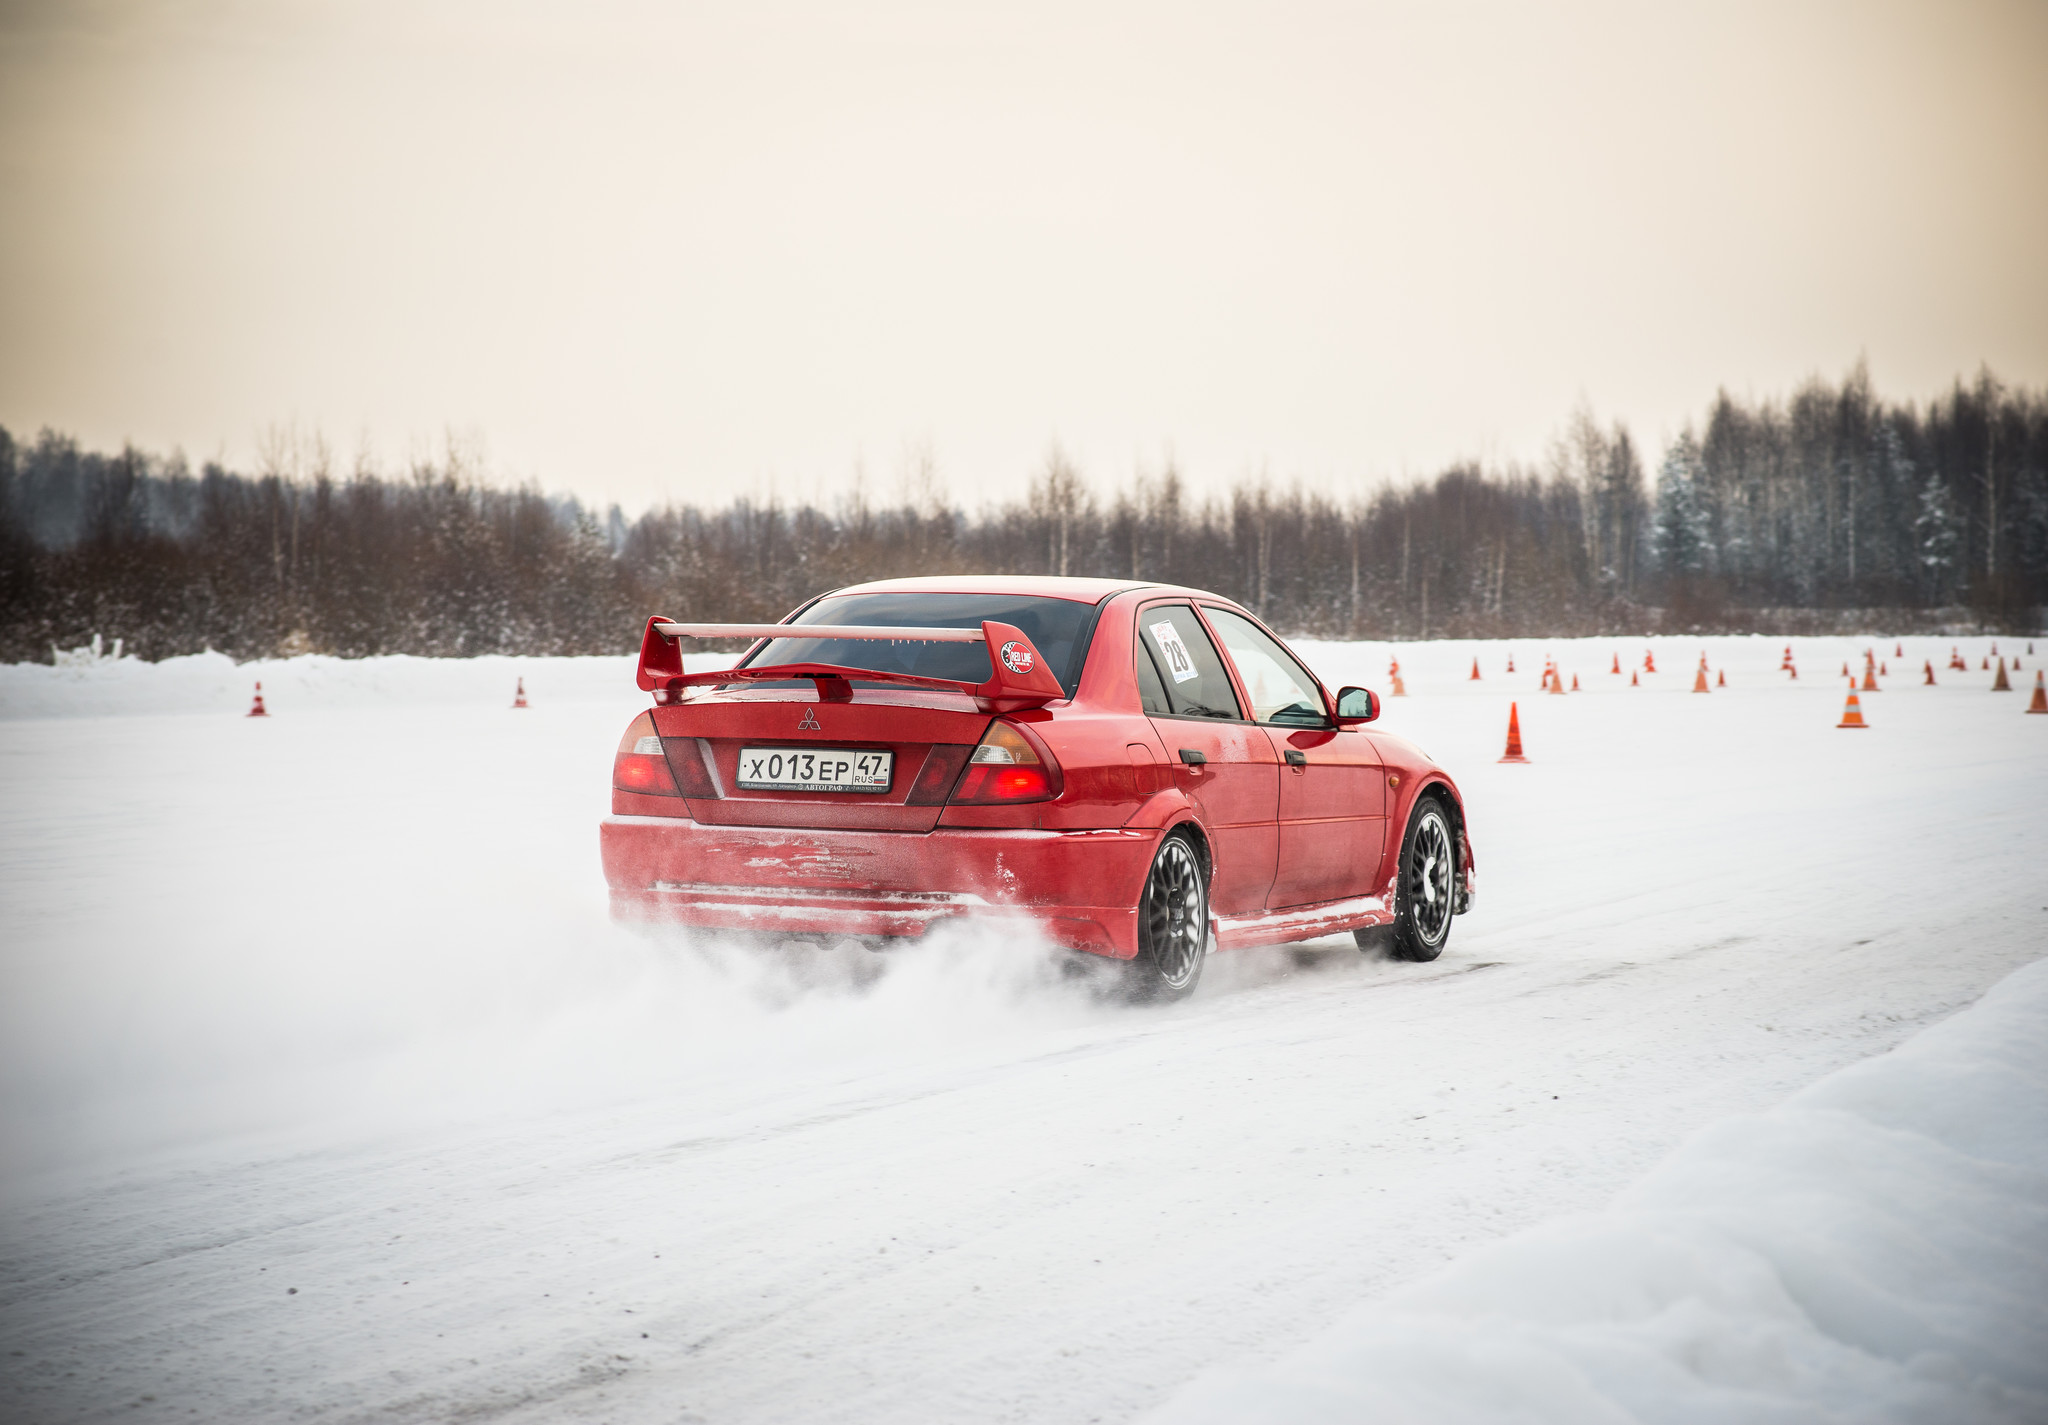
pixel 1632 679
pixel 1511 662
pixel 1699 680
pixel 1394 677
pixel 2001 684
pixel 519 694
pixel 2040 702
pixel 1721 678
pixel 1852 711
pixel 1870 678
pixel 1575 682
pixel 1985 666
pixel 1556 682
pixel 1475 671
pixel 1794 672
pixel 1898 650
pixel 1994 649
pixel 1617 664
pixel 1786 661
pixel 1883 670
pixel 1649 661
pixel 1845 667
pixel 1930 673
pixel 1955 659
pixel 1514 752
pixel 256 709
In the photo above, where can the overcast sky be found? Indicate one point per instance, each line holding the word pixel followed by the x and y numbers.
pixel 670 250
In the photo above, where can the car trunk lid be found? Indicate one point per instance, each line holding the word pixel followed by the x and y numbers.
pixel 929 734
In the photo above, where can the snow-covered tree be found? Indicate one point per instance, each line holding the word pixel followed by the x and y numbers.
pixel 1683 532
pixel 1939 531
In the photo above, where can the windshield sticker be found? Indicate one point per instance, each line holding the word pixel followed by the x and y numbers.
pixel 1179 661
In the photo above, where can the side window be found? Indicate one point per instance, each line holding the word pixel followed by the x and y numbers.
pixel 1186 666
pixel 1151 692
pixel 1281 689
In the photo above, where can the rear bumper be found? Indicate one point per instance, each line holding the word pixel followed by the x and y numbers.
pixel 1079 888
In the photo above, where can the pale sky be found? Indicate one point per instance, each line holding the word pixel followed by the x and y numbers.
pixel 649 251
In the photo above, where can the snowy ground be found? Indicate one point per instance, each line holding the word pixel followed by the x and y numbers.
pixel 328 1090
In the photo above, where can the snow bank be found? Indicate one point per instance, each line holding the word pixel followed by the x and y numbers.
pixel 1874 1248
pixel 213 682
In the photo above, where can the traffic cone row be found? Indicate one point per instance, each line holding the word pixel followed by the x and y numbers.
pixel 256 709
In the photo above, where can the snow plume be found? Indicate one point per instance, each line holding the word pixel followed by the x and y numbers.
pixel 419 1021
pixel 1872 1249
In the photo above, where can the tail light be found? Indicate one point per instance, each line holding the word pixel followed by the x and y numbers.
pixel 1010 765
pixel 640 765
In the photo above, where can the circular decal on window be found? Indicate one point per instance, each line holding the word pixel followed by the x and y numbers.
pixel 1017 657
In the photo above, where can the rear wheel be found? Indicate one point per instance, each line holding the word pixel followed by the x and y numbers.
pixel 1173 924
pixel 1425 895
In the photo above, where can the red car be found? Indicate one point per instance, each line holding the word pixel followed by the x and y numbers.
pixel 1139 771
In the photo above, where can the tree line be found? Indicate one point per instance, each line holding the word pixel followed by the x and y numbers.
pixel 1826 509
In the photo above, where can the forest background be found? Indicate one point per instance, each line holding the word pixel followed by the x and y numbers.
pixel 1830 510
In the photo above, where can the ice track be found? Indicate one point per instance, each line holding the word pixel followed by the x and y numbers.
pixel 329 1092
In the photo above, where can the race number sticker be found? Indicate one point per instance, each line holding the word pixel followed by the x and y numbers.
pixel 1179 661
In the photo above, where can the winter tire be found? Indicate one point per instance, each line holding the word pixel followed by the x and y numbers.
pixel 1173 924
pixel 1426 890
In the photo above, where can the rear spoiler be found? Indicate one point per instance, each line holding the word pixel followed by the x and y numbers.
pixel 1020 679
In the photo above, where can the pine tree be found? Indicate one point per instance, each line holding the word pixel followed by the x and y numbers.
pixel 1683 532
pixel 1939 530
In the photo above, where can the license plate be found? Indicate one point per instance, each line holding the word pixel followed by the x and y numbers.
pixel 811 769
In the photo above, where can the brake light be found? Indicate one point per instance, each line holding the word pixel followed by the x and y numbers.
pixel 1010 765
pixel 640 765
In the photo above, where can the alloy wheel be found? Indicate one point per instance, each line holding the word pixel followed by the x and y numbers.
pixel 1430 870
pixel 1176 914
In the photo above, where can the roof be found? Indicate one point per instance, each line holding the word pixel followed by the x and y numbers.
pixel 1044 586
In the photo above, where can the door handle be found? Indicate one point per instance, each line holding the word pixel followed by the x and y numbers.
pixel 1192 757
pixel 1296 757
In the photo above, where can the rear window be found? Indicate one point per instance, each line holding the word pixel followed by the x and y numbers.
pixel 1058 628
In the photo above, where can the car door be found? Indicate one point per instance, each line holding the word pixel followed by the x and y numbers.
pixel 1224 764
pixel 1332 803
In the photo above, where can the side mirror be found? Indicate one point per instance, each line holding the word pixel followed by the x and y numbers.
pixel 1356 705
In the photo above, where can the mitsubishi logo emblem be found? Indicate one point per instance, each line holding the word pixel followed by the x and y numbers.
pixel 810 722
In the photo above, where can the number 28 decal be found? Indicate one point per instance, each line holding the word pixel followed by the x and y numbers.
pixel 1179 661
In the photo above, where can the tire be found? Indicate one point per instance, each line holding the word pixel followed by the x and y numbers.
pixel 1426 888
pixel 1173 925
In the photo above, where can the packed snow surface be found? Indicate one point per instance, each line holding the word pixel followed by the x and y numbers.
pixel 329 1091
pixel 1874 1247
